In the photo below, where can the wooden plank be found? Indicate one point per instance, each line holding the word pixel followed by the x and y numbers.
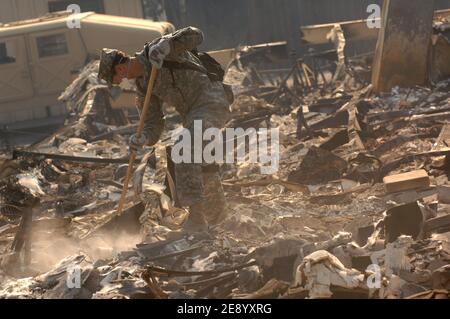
pixel 407 181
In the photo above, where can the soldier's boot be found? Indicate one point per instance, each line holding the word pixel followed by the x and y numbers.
pixel 212 209
pixel 215 204
pixel 189 188
pixel 196 221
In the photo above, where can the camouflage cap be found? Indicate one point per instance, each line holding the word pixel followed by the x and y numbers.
pixel 106 68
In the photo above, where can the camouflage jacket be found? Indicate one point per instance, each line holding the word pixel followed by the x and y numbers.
pixel 185 89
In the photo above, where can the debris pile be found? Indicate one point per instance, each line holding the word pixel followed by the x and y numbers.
pixel 359 207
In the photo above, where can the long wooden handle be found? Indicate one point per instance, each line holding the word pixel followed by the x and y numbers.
pixel 140 128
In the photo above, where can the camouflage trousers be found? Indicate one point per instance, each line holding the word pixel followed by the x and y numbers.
pixel 198 185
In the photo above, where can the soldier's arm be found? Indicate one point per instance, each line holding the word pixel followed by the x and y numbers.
pixel 186 39
pixel 154 122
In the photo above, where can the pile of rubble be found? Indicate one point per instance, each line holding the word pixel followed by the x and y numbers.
pixel 359 207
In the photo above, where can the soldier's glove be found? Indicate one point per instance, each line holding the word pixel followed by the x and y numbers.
pixel 158 52
pixel 136 143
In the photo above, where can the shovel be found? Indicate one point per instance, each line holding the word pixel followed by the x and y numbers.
pixel 140 128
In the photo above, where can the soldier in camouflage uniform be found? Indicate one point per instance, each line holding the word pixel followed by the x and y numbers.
pixel 184 83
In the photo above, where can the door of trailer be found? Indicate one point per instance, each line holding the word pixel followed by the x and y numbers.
pixel 55 54
pixel 15 80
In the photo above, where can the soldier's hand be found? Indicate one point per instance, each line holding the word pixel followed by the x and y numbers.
pixel 136 143
pixel 159 52
pixel 139 102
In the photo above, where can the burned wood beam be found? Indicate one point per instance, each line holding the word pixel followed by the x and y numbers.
pixel 396 142
pixel 333 121
pixel 389 167
pixel 338 139
pixel 174 254
pixel 393 115
pixel 433 116
pixel 438 223
pixel 129 129
pixel 180 273
pixel 68 158
pixel 386 116
pixel 329 106
pixel 110 183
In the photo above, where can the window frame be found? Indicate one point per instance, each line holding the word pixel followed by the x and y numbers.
pixel 15 57
pixel 53 56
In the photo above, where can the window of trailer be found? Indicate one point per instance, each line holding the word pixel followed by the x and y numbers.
pixel 52 45
pixel 85 5
pixel 7 52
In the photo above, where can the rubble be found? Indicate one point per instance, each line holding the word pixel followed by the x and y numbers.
pixel 322 270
